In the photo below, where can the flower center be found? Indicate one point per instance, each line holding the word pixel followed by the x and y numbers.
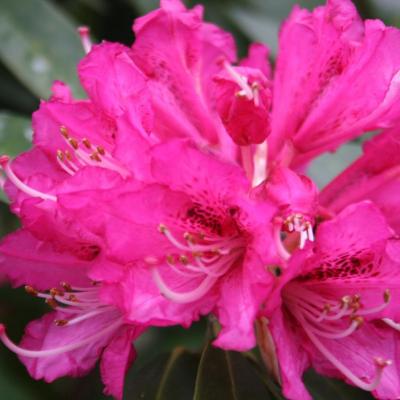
pixel 83 153
pixel 250 91
pixel 200 259
pixel 323 317
pixel 292 224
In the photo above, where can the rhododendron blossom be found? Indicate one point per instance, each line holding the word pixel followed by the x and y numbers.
pixel 336 306
pixel 178 190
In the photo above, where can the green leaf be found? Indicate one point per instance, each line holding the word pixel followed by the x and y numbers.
pixel 322 388
pixel 145 6
pixel 15 133
pixel 168 377
pixel 229 376
pixel 39 44
pixel 15 137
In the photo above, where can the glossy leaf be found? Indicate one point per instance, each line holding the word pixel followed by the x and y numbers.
pixel 39 44
pixel 168 377
pixel 229 376
pixel 322 388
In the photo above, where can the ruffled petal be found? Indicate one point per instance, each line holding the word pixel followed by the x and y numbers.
pixel 116 359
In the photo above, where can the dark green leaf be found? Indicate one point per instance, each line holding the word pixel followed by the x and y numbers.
pixel 322 388
pixel 168 377
pixel 39 44
pixel 229 376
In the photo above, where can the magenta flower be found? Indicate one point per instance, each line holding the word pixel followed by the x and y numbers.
pixel 177 191
pixel 324 93
pixel 81 329
pixel 337 304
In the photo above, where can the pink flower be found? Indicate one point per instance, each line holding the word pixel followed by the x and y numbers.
pixel 80 330
pixel 336 77
pixel 193 243
pixel 193 83
pixel 337 306
pixel 374 176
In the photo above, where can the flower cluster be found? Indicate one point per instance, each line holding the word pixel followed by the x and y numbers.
pixel 176 190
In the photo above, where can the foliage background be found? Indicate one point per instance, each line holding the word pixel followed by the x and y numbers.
pixel 38 44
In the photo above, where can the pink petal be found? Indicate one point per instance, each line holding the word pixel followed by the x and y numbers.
pixel 320 97
pixel 293 360
pixel 26 260
pixel 116 359
pixel 258 58
pixel 43 334
pixel 180 71
pixel 116 85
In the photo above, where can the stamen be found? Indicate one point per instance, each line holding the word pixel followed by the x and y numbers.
pixel 391 323
pixel 379 362
pixel 5 165
pixel 84 33
pixel 57 350
pixel 183 297
pixel 240 80
pixel 99 158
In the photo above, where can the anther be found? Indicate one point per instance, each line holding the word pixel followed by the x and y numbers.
pixel 345 300
pixel 52 303
pixel 386 296
pixel 100 150
pixel 74 143
pixel 381 362
pixel 56 292
pixel 66 286
pixel 64 131
pixel 170 259
pixel 30 290
pixel 183 259
pixel 68 155
pixel 72 297
pixel 61 322
pixel 60 155
pixel 95 157
pixel 357 319
pixel 86 143
pixel 162 228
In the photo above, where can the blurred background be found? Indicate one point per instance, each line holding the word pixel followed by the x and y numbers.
pixel 38 44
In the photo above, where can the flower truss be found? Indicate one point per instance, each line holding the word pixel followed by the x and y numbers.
pixel 177 190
